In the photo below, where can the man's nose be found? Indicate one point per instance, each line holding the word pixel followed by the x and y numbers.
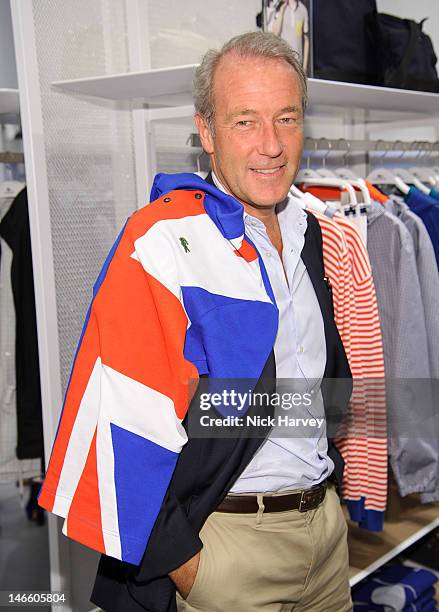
pixel 270 143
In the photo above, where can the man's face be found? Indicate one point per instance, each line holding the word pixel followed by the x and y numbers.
pixel 258 129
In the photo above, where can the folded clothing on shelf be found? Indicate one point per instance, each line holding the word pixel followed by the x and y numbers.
pixel 396 588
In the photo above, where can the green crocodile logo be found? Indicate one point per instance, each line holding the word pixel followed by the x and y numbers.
pixel 185 244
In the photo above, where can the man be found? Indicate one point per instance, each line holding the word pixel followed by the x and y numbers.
pixel 213 280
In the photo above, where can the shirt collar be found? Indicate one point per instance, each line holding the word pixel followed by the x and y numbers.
pixel 292 218
pixel 374 211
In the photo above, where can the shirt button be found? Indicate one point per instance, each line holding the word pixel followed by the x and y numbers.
pixel 300 349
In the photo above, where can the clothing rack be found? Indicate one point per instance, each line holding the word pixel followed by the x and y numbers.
pixel 345 145
pixel 369 146
pixel 364 152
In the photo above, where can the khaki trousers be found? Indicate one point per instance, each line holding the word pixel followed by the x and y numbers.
pixel 273 562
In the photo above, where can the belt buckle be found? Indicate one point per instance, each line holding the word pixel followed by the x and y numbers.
pixel 310 498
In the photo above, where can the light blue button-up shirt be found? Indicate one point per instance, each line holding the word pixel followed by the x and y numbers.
pixel 291 462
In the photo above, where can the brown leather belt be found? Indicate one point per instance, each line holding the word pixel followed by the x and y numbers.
pixel 305 500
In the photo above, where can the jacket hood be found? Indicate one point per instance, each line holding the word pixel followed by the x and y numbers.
pixel 226 212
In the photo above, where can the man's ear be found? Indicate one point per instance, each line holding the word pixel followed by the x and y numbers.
pixel 205 134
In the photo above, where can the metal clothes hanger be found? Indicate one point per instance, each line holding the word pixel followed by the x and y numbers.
pixel 344 171
pixel 384 176
pixel 407 176
pixel 324 171
pixel 435 169
pixel 423 173
pixel 307 172
pixel 315 177
pixel 308 200
pixel 348 175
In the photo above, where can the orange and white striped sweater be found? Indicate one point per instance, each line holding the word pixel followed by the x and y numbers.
pixel 363 440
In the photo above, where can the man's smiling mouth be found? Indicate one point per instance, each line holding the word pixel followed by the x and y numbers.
pixel 268 170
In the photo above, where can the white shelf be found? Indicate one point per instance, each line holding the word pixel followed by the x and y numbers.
pixel 172 87
pixel 372 567
pixel 9 102
pixel 162 87
pixel 367 97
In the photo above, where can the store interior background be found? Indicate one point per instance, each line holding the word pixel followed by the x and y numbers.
pixel 88 177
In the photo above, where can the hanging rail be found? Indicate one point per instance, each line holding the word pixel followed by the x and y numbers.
pixel 8 157
pixel 343 144
pixel 369 146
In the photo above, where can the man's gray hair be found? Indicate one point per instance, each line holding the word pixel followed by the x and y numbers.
pixel 252 44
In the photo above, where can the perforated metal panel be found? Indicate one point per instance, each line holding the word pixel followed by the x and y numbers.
pixel 89 150
pixel 180 32
pixel 173 154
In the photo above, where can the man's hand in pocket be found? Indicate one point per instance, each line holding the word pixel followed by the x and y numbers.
pixel 184 576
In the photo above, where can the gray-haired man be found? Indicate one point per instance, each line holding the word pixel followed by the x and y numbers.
pixel 260 526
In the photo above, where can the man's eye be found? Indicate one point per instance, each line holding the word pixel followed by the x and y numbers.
pixel 243 123
pixel 287 120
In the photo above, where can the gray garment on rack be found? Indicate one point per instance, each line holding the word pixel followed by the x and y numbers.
pixel 429 283
pixel 413 444
pixel 428 275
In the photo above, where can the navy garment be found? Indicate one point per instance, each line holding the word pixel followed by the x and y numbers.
pixel 427 208
pixel 396 587
pixel 15 230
